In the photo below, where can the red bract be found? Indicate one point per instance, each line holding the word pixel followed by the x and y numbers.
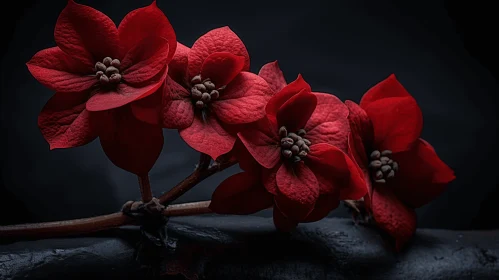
pixel 402 171
pixel 300 146
pixel 98 67
pixel 209 92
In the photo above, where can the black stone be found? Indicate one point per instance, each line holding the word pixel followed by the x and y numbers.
pixel 234 247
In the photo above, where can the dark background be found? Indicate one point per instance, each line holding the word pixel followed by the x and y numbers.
pixel 443 52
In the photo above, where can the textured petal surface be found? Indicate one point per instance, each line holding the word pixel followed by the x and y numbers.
pixel 298 190
pixel 393 217
pixel 144 61
pixel 217 40
pixel 336 172
pixel 240 194
pixel 329 122
pixel 269 178
pixel 272 74
pixel 397 123
pixel 177 109
pixel 129 143
pixel 86 34
pixel 422 175
pixel 177 68
pixel 64 121
pixel 124 94
pixel 243 100
pixel 58 71
pixel 262 142
pixel 146 22
pixel 284 95
pixel 296 112
pixel 390 87
pixel 245 159
pixel 148 109
pixel 222 67
pixel 206 135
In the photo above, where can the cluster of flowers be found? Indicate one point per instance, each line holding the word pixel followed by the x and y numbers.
pixel 302 151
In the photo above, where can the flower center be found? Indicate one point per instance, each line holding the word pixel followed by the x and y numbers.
pixel 294 146
pixel 108 71
pixel 382 166
pixel 203 91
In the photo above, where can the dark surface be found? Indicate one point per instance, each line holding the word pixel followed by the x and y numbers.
pixel 342 47
pixel 249 248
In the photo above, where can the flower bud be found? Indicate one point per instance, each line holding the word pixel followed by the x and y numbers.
pixel 395 166
pixel 293 136
pixel 295 149
pixel 104 79
pixel 287 143
pixel 115 78
pixel 300 143
pixel 375 154
pixel 112 70
pixel 391 174
pixel 98 74
pixel 283 131
pixel 206 97
pixel 196 94
pixel 200 87
pixel 116 63
pixel 307 142
pixel 378 175
pixel 386 168
pixel 209 85
pixel 375 164
pixel 301 132
pixel 287 153
pixel 196 79
pixel 199 104
pixel 214 94
pixel 107 61
pixel 302 154
pixel 99 66
pixel 386 153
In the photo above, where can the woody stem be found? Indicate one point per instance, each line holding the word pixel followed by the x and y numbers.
pixel 145 188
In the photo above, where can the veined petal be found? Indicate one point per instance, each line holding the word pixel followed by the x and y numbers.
pixel 177 68
pixel 272 74
pixel 177 109
pixel 296 112
pixel 390 87
pixel 284 95
pixel 262 142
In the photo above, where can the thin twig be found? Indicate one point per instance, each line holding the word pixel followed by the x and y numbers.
pixel 94 224
pixel 145 188
pixel 203 170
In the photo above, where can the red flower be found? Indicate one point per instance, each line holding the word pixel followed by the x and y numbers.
pixel 98 67
pixel 209 92
pixel 402 171
pixel 299 148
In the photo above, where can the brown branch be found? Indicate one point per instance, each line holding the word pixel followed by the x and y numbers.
pixel 202 171
pixel 94 224
pixel 145 188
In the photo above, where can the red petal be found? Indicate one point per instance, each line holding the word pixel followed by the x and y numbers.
pixel 217 40
pixel 222 67
pixel 177 68
pixel 269 178
pixel 393 217
pixel 422 175
pixel 245 159
pixel 329 123
pixel 65 123
pixel 296 112
pixel 148 109
pixel 58 71
pixel 144 61
pixel 243 100
pixel 240 194
pixel 86 34
pixel 324 205
pixel 272 74
pixel 145 22
pixel 124 94
pixel 281 222
pixel 298 190
pixel 397 123
pixel 129 143
pixel 284 95
pixel 208 136
pixel 356 154
pixel 177 111
pixel 262 143
pixel 390 87
pixel 337 172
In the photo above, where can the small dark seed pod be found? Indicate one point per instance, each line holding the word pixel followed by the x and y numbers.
pixel 390 161
pixel 307 141
pixel 116 63
pixel 196 94
pixel 209 85
pixel 384 160
pixel 104 79
pixel 115 78
pixel 302 154
pixel 295 149
pixel 378 175
pixel 293 136
pixel 287 153
pixel 214 94
pixel 382 181
pixel 395 166
pixel 300 143
pixel 112 70
pixel 283 131
pixel 99 66
pixel 301 132
pixel 206 97
pixel 375 154
pixel 386 168
pixel 305 148
pixel 196 79
pixel 98 74
pixel 199 104
pixel 386 153
pixel 286 143
pixel 391 174
pixel 200 87
pixel 107 61
pixel 375 164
